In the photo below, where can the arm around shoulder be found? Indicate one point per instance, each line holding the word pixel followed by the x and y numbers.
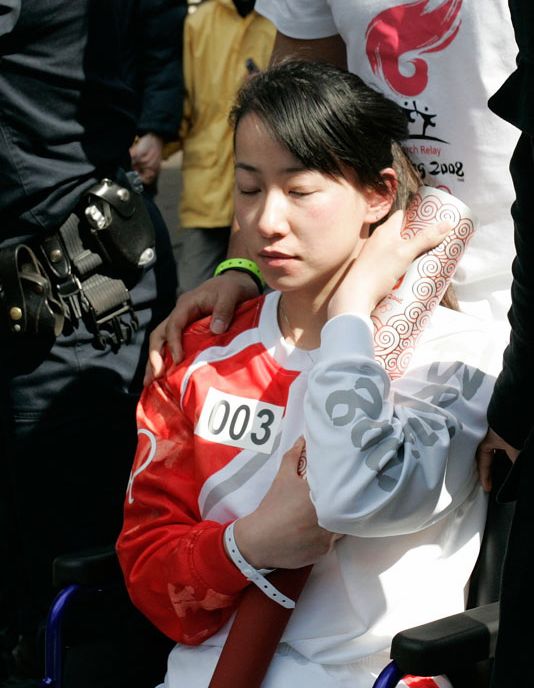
pixel 389 458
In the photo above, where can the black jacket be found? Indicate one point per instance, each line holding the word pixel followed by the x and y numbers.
pixel 511 410
pixel 77 81
pixel 154 69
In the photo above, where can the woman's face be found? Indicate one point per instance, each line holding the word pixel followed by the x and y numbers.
pixel 302 227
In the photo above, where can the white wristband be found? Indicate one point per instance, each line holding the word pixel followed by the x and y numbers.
pixel 252 574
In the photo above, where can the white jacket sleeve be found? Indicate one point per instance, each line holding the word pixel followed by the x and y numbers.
pixel 388 458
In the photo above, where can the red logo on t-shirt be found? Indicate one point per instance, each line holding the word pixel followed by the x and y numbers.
pixel 401 34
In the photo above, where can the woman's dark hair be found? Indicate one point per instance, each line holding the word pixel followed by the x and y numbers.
pixel 330 120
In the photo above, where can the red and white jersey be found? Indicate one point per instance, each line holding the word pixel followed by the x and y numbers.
pixel 391 465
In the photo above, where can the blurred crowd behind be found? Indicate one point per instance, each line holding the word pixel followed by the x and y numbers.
pixel 224 42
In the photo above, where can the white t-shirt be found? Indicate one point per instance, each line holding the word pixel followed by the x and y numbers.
pixel 440 60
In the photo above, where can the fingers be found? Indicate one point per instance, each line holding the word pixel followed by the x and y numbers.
pixel 302 466
pixel 223 312
pixel 168 332
pixel 186 311
pixel 485 455
pixel 154 367
pixel 236 288
pixel 149 174
pixel 218 296
pixel 283 531
pixel 146 156
pixel 427 239
pixel 424 240
pixel 293 457
pixel 211 297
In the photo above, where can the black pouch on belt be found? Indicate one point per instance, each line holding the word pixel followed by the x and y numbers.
pixel 121 225
pixel 27 304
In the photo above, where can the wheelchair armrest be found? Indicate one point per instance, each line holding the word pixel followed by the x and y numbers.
pixel 440 646
pixel 88 567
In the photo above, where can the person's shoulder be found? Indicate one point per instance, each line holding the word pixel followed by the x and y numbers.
pixel 198 334
pixel 198 338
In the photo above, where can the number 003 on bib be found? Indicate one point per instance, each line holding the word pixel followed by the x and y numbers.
pixel 239 422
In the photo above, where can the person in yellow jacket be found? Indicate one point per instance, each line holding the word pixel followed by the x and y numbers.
pixel 224 40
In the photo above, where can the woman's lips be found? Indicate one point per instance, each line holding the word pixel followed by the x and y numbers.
pixel 275 258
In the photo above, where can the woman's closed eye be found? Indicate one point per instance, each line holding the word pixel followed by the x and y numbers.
pixel 301 193
pixel 304 183
pixel 247 191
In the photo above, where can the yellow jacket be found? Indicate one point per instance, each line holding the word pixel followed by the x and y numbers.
pixel 217 42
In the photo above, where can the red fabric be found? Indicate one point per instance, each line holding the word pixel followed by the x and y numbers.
pixel 174 563
pixel 420 682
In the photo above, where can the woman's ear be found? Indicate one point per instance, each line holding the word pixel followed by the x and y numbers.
pixel 379 202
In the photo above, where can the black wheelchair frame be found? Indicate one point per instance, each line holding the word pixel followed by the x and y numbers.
pixel 75 575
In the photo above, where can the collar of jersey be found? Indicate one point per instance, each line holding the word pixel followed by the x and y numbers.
pixel 288 356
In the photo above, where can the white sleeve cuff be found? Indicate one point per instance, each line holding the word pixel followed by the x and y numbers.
pixel 347 334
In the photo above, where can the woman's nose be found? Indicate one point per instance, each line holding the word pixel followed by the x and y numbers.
pixel 273 220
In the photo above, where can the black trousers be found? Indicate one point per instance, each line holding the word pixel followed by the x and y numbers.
pixel 68 437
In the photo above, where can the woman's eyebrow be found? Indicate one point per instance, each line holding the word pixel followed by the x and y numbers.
pixel 284 170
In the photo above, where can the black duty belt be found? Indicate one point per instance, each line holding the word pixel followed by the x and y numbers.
pixel 81 271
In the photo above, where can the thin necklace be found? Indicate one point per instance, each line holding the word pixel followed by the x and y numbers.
pixel 283 314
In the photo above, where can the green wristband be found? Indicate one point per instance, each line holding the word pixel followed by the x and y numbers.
pixel 242 265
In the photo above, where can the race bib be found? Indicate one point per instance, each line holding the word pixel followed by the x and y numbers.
pixel 239 422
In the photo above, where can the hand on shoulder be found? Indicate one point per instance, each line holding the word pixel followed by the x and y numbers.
pixel 383 260
pixel 217 297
